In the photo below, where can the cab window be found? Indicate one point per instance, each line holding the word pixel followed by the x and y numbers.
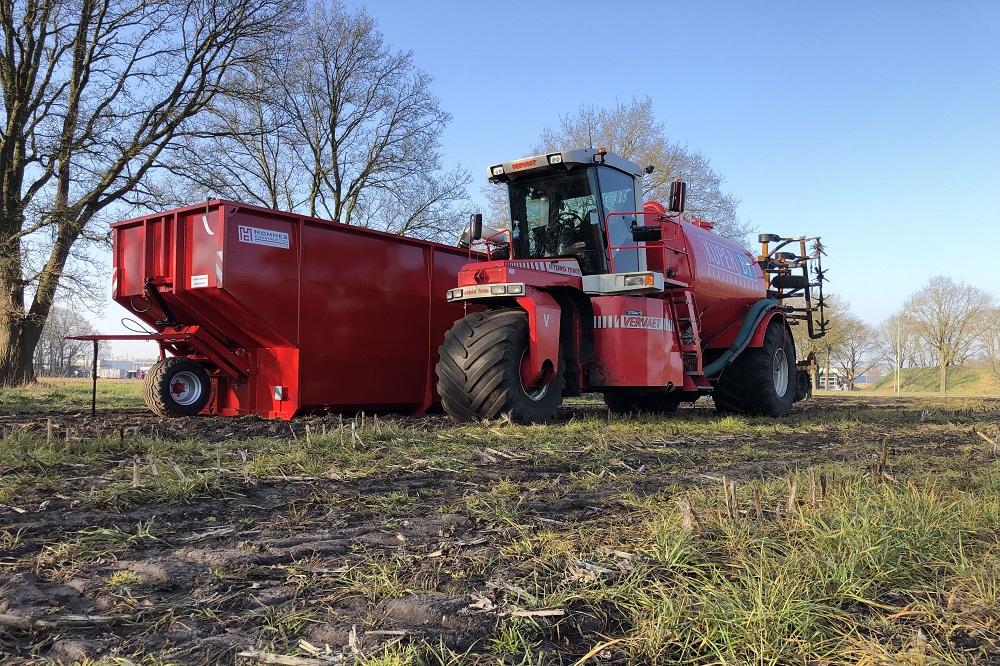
pixel 618 197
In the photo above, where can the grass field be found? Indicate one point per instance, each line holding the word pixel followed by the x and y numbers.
pixel 968 381
pixel 861 530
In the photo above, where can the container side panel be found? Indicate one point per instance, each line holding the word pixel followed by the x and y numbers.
pixel 261 273
pixel 365 320
pixel 203 260
pixel 129 255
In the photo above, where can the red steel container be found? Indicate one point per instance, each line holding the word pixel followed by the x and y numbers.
pixel 290 313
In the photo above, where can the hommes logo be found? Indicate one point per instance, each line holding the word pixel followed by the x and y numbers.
pixel 265 237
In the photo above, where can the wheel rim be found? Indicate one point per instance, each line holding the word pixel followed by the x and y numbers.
pixel 535 393
pixel 185 388
pixel 779 371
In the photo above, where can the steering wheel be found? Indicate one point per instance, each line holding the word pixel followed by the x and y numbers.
pixel 573 218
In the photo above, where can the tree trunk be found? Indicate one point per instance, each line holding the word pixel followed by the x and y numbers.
pixel 944 373
pixel 17 349
pixel 18 335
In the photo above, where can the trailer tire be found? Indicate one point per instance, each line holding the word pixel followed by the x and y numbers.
pixel 803 385
pixel 761 381
pixel 479 371
pixel 650 403
pixel 621 403
pixel 176 386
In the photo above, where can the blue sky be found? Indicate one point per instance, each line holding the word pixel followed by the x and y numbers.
pixel 873 124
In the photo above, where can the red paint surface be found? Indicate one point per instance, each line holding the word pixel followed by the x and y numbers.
pixel 343 317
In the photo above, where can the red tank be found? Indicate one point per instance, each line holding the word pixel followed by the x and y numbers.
pixel 724 276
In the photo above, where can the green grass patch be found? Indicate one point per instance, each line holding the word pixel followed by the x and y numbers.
pixel 859 529
pixel 71 395
pixel 971 380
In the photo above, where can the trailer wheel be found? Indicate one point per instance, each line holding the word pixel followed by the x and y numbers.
pixel 621 403
pixel 651 403
pixel 803 385
pixel 761 380
pixel 176 386
pixel 479 374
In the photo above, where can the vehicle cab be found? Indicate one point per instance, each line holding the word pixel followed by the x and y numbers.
pixel 578 204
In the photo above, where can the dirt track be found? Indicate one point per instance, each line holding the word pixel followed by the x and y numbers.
pixel 349 564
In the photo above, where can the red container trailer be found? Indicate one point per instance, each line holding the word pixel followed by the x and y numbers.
pixel 276 314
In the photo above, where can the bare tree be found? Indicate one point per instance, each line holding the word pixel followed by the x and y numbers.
pixel 945 314
pixel 897 343
pixel 93 92
pixel 56 356
pixel 632 131
pixel 989 337
pixel 856 353
pixel 348 129
pixel 826 348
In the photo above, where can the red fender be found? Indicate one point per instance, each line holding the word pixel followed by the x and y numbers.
pixel 758 336
pixel 543 335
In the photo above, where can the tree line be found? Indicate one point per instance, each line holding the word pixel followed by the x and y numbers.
pixel 119 107
pixel 943 324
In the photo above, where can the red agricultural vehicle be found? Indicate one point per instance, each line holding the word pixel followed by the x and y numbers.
pixel 589 290
pixel 262 312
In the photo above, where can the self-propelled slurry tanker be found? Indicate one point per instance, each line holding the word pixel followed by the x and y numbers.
pixel 590 290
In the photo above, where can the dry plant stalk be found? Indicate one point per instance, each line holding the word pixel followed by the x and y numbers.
pixel 689 517
pixel 793 489
pixel 732 503
pixel 177 470
pixel 878 468
pixel 812 487
pixel 155 469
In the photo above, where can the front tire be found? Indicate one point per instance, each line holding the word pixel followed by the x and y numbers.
pixel 761 381
pixel 176 386
pixel 480 369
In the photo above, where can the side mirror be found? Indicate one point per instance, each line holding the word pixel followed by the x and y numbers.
pixel 678 188
pixel 477 226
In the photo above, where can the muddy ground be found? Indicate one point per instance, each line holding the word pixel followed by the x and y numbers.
pixel 265 564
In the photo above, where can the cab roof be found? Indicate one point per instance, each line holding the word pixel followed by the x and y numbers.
pixel 560 160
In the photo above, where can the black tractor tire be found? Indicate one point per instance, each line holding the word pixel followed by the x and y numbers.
pixel 479 371
pixel 649 403
pixel 761 381
pixel 176 386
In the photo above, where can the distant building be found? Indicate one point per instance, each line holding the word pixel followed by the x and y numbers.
pixel 123 369
pixel 837 380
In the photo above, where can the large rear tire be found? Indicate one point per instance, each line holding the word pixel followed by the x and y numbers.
pixel 176 386
pixel 761 381
pixel 480 369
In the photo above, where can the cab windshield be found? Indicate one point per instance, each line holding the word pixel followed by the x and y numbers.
pixel 558 214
